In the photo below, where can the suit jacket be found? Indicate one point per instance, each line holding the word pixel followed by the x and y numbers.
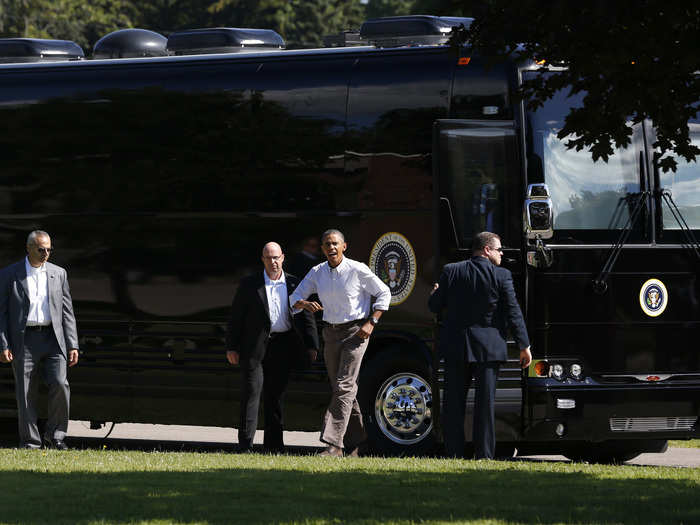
pixel 249 325
pixel 481 304
pixel 14 307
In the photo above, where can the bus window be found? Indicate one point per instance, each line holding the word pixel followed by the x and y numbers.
pixel 586 195
pixel 684 185
pixel 477 162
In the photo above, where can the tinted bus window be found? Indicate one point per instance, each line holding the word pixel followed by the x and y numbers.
pixel 479 175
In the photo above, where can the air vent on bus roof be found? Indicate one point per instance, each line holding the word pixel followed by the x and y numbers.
pixel 222 40
pixel 130 43
pixel 411 30
pixel 38 50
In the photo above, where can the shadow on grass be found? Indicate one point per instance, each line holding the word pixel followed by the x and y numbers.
pixel 279 496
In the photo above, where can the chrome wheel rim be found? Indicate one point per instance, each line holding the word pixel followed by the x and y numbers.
pixel 403 408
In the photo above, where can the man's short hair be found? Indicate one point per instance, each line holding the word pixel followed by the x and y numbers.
pixel 31 238
pixel 331 232
pixel 484 239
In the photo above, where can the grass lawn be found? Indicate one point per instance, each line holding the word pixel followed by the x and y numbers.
pixel 104 486
pixel 691 443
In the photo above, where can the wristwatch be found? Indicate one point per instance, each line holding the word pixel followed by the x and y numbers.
pixel 374 320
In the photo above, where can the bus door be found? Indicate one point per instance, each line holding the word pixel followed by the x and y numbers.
pixel 479 187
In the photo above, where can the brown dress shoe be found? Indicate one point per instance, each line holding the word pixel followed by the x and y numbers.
pixel 332 451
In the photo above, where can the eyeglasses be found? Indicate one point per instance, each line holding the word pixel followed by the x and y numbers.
pixel 499 249
pixel 273 258
pixel 44 250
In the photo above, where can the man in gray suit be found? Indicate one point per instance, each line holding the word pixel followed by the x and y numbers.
pixel 38 335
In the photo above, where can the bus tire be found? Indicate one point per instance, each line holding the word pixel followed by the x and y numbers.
pixel 395 396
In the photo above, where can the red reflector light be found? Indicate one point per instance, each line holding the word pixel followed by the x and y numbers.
pixel 542 368
pixel 653 378
pixel 463 61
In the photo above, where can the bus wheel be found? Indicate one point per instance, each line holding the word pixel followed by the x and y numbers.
pixel 396 398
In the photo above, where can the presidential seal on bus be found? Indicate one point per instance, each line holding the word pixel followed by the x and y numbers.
pixel 653 297
pixel 393 260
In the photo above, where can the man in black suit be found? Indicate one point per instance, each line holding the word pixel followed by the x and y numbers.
pixel 266 339
pixel 481 303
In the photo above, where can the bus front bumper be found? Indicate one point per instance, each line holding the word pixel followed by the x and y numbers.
pixel 588 411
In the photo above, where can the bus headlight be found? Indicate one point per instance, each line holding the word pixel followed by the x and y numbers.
pixel 575 371
pixel 557 371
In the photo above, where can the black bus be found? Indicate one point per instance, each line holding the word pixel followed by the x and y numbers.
pixel 161 177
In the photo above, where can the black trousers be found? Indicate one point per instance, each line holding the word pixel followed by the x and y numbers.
pixel 459 377
pixel 268 376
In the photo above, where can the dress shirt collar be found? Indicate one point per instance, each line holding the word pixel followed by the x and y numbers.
pixel 340 268
pixel 31 270
pixel 270 282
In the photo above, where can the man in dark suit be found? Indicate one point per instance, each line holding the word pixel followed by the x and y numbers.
pixel 481 304
pixel 38 335
pixel 266 339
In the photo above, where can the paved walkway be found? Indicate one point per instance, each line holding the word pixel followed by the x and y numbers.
pixel 227 438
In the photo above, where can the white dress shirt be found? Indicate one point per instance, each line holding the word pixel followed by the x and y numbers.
pixel 38 285
pixel 276 292
pixel 345 291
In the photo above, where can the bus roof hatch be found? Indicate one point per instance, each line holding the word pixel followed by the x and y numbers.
pixel 393 31
pixel 38 50
pixel 223 40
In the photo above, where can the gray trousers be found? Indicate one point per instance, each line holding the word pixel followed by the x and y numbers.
pixel 41 356
pixel 343 352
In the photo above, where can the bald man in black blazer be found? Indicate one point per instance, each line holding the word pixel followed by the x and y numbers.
pixel 267 340
pixel 481 304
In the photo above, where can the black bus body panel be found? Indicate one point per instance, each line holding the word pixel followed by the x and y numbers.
pixel 160 180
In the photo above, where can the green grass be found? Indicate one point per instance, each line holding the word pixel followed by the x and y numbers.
pixel 104 486
pixel 691 443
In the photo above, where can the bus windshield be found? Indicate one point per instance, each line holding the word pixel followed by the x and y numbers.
pixel 684 185
pixel 586 195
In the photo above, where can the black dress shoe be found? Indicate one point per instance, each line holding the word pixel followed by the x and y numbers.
pixel 58 444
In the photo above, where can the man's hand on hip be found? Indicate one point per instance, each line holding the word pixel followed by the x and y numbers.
pixel 6 356
pixel 365 330
pixel 233 357
pixel 72 357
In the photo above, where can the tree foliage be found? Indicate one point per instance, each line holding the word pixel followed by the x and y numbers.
pixel 633 60
pixel 75 20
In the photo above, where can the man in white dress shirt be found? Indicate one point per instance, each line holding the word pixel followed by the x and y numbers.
pixel 267 341
pixel 38 336
pixel 345 289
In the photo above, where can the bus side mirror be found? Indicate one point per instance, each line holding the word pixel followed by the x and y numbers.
pixel 539 223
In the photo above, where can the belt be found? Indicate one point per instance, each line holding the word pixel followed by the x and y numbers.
pixel 274 335
pixel 343 325
pixel 37 328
